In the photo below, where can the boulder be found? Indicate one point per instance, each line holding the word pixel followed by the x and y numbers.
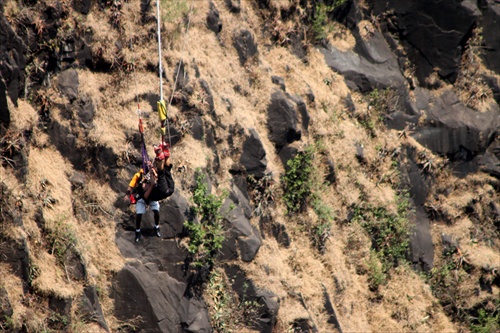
pixel 195 317
pixel 213 20
pixel 90 308
pixel 245 45
pixel 197 128
pixel 240 198
pixel 84 109
pixel 304 114
pixel 282 120
pixel 421 246
pixel 253 157
pixel 286 154
pixel 247 236
pixel 68 83
pixel 234 6
pixel 173 213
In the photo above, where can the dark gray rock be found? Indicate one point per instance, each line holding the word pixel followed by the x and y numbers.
pixel 78 180
pixel 85 109
pixel 239 223
pixel 282 120
pixel 61 306
pixel 245 45
pixel 450 245
pixel 450 125
pixel 349 104
pixel 240 198
pixel 143 290
pixel 17 256
pixel 490 161
pixel 253 157
pixel 278 80
pixel 173 213
pixel 213 20
pixel 249 246
pixel 330 177
pixel 280 234
pixel 374 68
pixel 234 6
pixel 82 6
pixel 239 226
pixel 68 83
pixel 197 128
pixel 490 23
pixel 195 318
pixel 304 114
pixel 209 99
pixel 268 302
pixel 5 306
pixel 421 246
pixel 90 307
pixel 13 55
pixel 437 31
pixel 286 154
pixel 4 108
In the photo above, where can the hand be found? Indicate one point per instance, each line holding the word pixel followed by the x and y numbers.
pixel 126 198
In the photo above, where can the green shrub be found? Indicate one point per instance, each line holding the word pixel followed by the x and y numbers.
pixel 390 233
pixel 206 237
pixel 297 182
pixel 320 25
pixel 487 322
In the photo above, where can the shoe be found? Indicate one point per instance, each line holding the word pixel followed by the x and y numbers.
pixel 157 232
pixel 137 236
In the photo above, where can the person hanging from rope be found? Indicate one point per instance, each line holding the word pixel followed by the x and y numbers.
pixel 161 184
pixel 135 193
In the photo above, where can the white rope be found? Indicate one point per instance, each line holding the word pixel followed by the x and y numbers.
pixel 180 63
pixel 160 70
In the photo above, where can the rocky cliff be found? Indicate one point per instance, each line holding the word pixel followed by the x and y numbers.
pixel 337 166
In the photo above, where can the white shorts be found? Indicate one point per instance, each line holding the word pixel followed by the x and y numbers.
pixel 140 206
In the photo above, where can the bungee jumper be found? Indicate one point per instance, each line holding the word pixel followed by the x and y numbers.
pixel 153 182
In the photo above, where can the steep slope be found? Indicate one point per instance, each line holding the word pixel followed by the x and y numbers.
pixel 355 185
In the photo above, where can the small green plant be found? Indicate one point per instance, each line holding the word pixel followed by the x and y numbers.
pixel 206 237
pixel 487 322
pixel 173 10
pixel 321 231
pixel 297 182
pixel 61 240
pixel 389 232
pixel 376 271
pixel 320 22
pixel 227 312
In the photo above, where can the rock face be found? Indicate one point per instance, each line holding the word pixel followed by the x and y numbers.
pixel 12 60
pixel 437 30
pixel 456 131
pixel 370 66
